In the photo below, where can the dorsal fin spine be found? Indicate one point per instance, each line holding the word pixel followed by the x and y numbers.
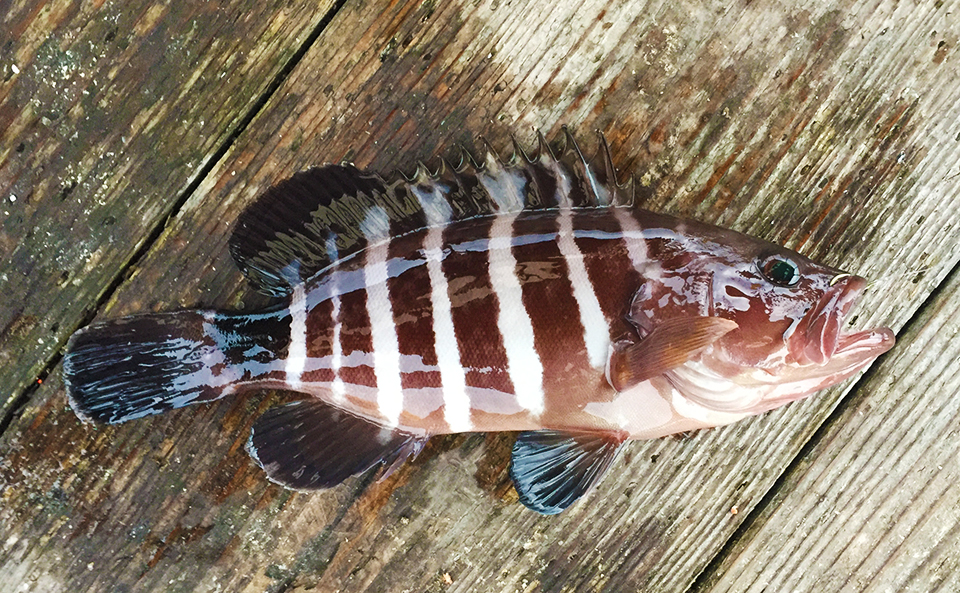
pixel 466 158
pixel 543 148
pixel 603 196
pixel 488 152
pixel 519 152
pixel 492 163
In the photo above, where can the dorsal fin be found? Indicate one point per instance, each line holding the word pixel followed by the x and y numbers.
pixel 301 225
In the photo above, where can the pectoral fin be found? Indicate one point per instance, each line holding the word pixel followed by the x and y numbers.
pixel 308 445
pixel 552 469
pixel 670 344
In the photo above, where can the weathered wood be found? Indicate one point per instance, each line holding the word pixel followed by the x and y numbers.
pixel 874 505
pixel 828 129
pixel 108 112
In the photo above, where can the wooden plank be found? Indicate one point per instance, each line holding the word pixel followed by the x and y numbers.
pixel 830 130
pixel 105 121
pixel 874 505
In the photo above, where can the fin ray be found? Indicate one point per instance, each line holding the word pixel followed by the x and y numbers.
pixel 137 366
pixel 552 469
pixel 310 445
pixel 669 345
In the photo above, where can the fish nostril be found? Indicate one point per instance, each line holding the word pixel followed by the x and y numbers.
pixel 838 278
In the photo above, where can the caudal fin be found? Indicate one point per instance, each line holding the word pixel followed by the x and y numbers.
pixel 136 366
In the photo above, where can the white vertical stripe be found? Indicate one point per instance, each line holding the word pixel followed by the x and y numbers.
pixel 383 331
pixel 336 352
pixel 337 387
pixel 513 321
pixel 596 334
pixel 505 187
pixel 456 403
pixel 633 239
pixel 453 380
pixel 297 350
pixel 434 204
pixel 563 183
pixel 599 191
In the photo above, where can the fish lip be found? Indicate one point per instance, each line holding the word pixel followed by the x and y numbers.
pixel 818 337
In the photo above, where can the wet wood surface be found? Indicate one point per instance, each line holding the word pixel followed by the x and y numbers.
pixel 134 133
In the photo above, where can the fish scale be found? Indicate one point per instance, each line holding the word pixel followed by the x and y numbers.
pixel 524 295
pixel 554 351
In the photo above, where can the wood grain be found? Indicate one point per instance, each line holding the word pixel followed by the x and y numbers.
pixel 107 116
pixel 828 128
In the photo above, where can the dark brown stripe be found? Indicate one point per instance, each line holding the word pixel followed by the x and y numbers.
pixel 413 311
pixel 319 330
pixel 317 376
pixel 319 342
pixel 403 209
pixel 474 309
pixel 542 188
pixel 554 314
pixel 420 379
pixel 355 337
pixel 609 267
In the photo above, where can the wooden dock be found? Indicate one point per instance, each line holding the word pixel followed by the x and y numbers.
pixel 133 133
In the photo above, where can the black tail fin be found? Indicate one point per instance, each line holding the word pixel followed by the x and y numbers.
pixel 136 366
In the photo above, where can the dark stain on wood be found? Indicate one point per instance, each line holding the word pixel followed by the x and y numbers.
pixel 492 473
pixel 101 105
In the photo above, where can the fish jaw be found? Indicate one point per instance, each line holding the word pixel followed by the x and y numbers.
pixel 854 353
pixel 819 354
pixel 818 338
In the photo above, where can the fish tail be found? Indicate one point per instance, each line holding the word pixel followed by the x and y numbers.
pixel 133 367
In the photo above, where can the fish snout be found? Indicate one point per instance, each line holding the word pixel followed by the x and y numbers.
pixel 817 336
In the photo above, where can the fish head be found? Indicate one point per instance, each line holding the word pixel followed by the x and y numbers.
pixel 789 310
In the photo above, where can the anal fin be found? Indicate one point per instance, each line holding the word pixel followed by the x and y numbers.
pixel 310 445
pixel 552 469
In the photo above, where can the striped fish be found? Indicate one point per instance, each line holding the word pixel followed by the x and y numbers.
pixel 527 295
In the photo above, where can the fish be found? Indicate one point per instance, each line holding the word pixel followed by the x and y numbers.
pixel 527 294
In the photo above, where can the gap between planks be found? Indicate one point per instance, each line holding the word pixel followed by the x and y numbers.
pixel 21 399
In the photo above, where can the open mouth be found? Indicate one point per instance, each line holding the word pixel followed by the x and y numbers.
pixel 818 339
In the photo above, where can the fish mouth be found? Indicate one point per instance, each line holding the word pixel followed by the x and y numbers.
pixel 818 340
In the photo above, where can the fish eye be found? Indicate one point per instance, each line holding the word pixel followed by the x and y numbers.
pixel 779 270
